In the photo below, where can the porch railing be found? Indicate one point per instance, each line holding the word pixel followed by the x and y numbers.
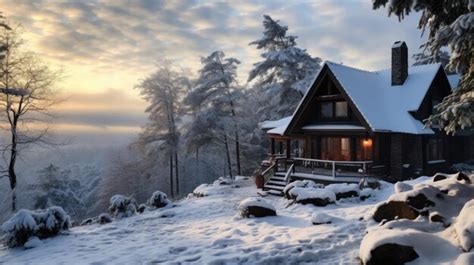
pixel 325 167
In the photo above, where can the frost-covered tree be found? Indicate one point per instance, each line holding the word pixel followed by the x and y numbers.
pixel 214 94
pixel 286 70
pixel 3 47
pixel 451 24
pixel 163 91
pixel 57 187
pixel 27 95
pixel 426 58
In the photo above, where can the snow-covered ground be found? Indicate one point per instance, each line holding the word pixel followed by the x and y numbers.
pixel 207 230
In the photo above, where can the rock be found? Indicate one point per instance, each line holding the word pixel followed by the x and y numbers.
pixel 439 176
pixel 321 202
pixel 435 217
pixel 256 211
pixel 392 254
pixel 461 177
pixel 321 218
pixel 347 194
pixel 394 210
pixel 419 202
pixel 256 207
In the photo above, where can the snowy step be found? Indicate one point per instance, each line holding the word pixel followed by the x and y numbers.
pixel 276 182
pixel 280 174
pixel 273 187
pixel 275 192
pixel 278 178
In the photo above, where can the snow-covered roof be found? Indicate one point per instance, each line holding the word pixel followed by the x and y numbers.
pixel 454 80
pixel 383 106
pixel 266 125
pixel 332 127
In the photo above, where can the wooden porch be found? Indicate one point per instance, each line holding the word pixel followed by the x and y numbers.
pixel 279 171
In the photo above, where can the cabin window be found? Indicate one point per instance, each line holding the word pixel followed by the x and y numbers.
pixel 297 148
pixel 341 109
pixel 327 110
pixel 335 148
pixel 334 110
pixel 435 149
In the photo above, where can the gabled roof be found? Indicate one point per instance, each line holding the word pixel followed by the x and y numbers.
pixel 384 108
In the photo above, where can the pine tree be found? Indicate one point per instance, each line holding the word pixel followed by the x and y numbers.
pixel 286 70
pixel 214 96
pixel 451 24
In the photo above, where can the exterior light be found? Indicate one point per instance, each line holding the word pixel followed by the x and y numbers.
pixel 367 142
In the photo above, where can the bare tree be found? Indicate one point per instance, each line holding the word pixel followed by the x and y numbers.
pixel 26 98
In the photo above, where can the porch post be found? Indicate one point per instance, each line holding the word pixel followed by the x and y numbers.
pixel 288 152
pixel 272 146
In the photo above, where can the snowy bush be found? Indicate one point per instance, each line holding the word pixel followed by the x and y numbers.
pixel 40 223
pixel 121 206
pixel 104 218
pixel 300 184
pixel 158 200
pixel 142 208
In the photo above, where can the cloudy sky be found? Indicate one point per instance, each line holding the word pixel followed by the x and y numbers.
pixel 105 47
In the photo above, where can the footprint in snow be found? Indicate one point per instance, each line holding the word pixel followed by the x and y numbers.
pixel 176 250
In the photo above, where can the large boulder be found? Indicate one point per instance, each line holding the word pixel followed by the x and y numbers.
pixel 316 196
pixel 344 190
pixel 392 254
pixel 256 207
pixel 392 210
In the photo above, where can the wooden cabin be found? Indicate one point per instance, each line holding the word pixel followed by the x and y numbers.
pixel 353 123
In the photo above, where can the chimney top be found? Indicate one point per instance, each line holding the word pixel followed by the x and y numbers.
pixel 399 63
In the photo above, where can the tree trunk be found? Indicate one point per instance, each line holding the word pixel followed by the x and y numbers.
pixel 237 143
pixel 171 176
pixel 11 165
pixel 176 171
pixel 229 165
pixel 237 152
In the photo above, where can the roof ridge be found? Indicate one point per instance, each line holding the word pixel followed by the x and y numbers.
pixel 350 67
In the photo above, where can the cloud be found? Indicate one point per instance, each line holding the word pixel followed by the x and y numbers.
pixel 114 43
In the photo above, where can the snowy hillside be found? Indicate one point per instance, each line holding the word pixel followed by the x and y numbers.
pixel 208 230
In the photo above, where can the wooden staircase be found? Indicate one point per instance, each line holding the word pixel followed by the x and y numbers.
pixel 275 184
pixel 278 181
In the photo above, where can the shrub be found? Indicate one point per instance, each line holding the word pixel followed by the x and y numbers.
pixel 40 223
pixel 158 200
pixel 121 206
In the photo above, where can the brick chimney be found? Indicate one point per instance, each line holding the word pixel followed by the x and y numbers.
pixel 399 63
